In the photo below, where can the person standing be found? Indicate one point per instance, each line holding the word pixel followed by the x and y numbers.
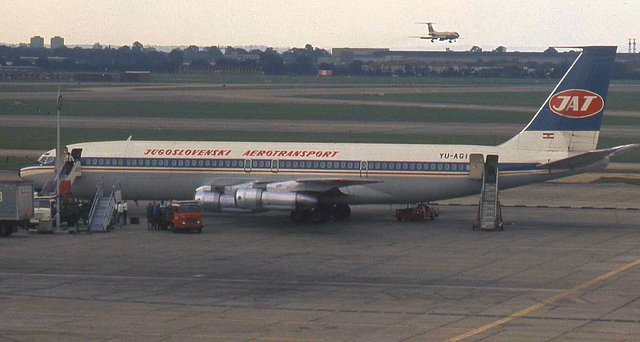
pixel 150 209
pixel 119 209
pixel 124 212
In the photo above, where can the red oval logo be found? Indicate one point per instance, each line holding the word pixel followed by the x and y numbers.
pixel 576 103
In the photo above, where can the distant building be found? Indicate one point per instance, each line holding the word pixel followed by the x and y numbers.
pixel 57 42
pixel 97 46
pixel 37 42
pixel 135 76
pixel 22 73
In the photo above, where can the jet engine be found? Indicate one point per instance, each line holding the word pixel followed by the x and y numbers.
pixel 249 200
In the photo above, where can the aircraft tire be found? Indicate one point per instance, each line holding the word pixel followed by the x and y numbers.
pixel 341 211
pixel 320 215
pixel 300 216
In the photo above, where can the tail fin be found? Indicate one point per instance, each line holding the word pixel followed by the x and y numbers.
pixel 431 30
pixel 570 118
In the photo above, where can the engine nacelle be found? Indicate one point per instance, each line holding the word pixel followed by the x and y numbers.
pixel 248 200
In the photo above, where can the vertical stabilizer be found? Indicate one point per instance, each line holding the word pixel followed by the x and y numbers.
pixel 570 118
pixel 430 26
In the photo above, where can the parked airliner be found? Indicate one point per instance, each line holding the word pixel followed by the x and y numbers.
pixel 316 180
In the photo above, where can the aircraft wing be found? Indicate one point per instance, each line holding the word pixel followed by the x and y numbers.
pixel 587 158
pixel 316 185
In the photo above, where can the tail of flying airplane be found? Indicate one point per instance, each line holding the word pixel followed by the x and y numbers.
pixel 570 118
pixel 431 30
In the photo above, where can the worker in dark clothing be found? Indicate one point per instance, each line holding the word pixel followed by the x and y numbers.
pixel 150 210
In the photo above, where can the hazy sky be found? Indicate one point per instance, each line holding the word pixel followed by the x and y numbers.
pixel 516 24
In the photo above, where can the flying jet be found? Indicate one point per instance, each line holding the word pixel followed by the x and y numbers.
pixel 436 35
pixel 315 181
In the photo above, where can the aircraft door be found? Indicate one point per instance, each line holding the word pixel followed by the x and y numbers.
pixel 364 169
pixel 76 154
pixel 247 165
pixel 491 168
pixel 476 165
pixel 275 166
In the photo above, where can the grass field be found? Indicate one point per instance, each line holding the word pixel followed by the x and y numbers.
pixel 615 101
pixel 245 111
pixel 276 111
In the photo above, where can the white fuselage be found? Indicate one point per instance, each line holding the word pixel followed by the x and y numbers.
pixel 163 170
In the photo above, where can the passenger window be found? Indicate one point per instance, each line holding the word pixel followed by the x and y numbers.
pixel 439 166
pixel 377 166
pixel 446 166
pixel 107 162
pixel 187 162
pixel 234 163
pixel 454 167
pixel 227 163
pixel 323 165
pixel 329 165
pixel 154 162
pixel 343 165
pixel 147 162
pixel 174 162
pixel 120 162
pixel 200 162
pixel 180 162
pixel 405 166
pixel 384 166
pixel 419 166
pixel 433 166
pixel 412 166
pixel 128 162
pixel 391 166
pixel 350 165
pixel 207 163
pixel 295 164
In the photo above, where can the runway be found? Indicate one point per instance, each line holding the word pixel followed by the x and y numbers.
pixel 552 274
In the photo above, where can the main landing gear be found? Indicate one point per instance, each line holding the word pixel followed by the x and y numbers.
pixel 321 214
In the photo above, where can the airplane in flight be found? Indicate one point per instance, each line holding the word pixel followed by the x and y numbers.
pixel 436 35
pixel 315 181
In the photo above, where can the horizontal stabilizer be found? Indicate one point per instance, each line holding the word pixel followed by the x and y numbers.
pixel 587 158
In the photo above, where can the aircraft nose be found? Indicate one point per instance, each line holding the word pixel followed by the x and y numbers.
pixel 22 172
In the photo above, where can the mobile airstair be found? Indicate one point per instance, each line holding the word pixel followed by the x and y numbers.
pixel 102 210
pixel 489 216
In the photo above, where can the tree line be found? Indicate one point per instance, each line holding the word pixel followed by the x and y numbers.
pixel 295 61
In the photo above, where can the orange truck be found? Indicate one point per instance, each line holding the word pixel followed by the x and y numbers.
pixel 185 216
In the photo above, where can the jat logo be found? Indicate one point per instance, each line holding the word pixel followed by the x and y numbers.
pixel 576 103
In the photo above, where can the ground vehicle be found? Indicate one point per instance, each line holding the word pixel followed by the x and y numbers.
pixel 16 203
pixel 186 215
pixel 418 213
pixel 45 210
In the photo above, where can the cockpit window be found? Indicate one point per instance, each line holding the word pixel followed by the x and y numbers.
pixel 46 158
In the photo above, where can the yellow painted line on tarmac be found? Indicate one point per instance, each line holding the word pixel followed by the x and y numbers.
pixel 544 303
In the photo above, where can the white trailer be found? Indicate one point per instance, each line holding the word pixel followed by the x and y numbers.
pixel 16 203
